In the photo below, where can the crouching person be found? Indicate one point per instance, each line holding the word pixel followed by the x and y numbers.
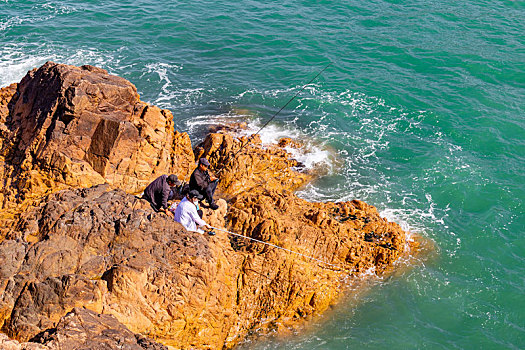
pixel 186 213
pixel 158 192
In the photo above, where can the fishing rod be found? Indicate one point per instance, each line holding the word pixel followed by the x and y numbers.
pixel 273 117
pixel 275 246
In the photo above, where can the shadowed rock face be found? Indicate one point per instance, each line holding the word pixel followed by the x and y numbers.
pixel 67 244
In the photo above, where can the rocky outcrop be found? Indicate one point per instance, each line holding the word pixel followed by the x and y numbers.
pixel 78 127
pixel 75 236
pixel 260 183
pixel 107 251
pixel 349 237
pixel 245 166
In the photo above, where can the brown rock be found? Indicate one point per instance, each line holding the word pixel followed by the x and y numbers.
pixel 41 304
pixel 10 344
pixel 245 166
pixel 107 251
pixel 288 142
pixel 8 97
pixel 85 329
pixel 80 126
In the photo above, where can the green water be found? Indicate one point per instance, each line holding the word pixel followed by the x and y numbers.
pixel 422 108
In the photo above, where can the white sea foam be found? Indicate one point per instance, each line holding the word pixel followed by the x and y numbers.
pixel 162 69
pixel 58 8
pixel 171 96
pixel 199 123
pixel 311 155
pixel 10 22
pixel 93 57
pixel 38 13
pixel 14 63
pixel 17 60
pixel 373 129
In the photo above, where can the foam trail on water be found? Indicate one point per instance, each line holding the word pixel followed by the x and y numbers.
pixel 39 13
pixel 162 69
pixel 58 8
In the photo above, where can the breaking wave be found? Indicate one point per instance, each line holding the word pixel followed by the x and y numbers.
pixel 311 155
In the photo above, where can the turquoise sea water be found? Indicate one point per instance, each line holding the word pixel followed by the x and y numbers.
pixel 422 114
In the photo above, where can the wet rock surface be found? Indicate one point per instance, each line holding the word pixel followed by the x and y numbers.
pixel 76 144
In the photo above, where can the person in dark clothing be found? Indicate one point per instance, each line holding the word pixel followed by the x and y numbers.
pixel 158 192
pixel 204 182
pixel 178 192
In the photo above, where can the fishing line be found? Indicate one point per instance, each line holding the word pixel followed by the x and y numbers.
pixel 275 246
pixel 273 117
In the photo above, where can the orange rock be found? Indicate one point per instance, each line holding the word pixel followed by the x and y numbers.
pixel 244 165
pixel 8 97
pixel 88 128
pixel 288 142
pixel 278 286
pixel 74 127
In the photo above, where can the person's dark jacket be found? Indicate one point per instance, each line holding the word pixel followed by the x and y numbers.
pixel 200 180
pixel 157 192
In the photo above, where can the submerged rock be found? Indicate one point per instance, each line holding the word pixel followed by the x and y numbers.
pixel 77 143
